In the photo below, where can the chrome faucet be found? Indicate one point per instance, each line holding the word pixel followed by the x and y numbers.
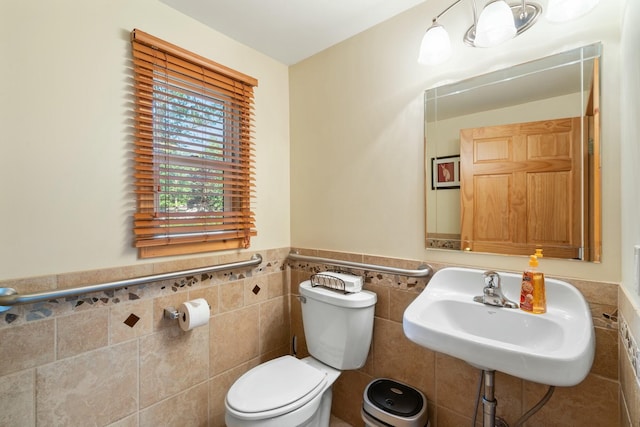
pixel 492 292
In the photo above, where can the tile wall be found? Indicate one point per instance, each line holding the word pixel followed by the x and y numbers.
pixel 111 359
pixel 629 362
pixel 450 384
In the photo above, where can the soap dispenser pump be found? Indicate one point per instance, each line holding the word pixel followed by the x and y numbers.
pixel 532 292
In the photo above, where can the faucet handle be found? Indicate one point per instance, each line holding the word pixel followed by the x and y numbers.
pixel 492 293
pixel 491 279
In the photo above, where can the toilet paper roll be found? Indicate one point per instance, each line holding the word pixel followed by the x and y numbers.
pixel 193 313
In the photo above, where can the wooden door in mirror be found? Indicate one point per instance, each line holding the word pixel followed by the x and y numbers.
pixel 521 188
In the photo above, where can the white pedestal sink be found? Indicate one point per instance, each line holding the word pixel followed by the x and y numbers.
pixel 555 348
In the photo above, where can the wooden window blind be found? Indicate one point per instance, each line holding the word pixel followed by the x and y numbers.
pixel 193 151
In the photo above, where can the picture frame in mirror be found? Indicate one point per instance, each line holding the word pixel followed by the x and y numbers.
pixel 445 172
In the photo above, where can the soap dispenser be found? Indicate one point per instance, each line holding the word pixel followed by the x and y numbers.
pixel 532 292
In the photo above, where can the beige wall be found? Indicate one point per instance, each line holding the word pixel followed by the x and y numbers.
pixel 357 135
pixel 65 87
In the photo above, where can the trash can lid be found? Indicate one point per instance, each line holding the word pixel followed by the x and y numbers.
pixel 395 398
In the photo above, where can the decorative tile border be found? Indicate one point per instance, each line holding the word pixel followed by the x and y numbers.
pixel 273 261
pixel 369 277
pixel 631 347
pixel 437 242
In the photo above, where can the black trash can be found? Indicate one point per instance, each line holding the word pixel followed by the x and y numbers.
pixel 392 403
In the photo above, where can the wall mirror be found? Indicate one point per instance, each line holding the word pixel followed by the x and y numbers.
pixel 512 159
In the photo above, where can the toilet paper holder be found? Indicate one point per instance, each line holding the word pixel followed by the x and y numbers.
pixel 171 313
pixel 189 314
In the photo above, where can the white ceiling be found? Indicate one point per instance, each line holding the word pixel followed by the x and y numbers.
pixel 291 30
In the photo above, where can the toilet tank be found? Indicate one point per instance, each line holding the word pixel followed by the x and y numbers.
pixel 338 327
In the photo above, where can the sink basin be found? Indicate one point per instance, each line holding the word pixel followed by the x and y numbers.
pixel 554 348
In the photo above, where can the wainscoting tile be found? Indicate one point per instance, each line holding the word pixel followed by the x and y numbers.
pixel 31 284
pixel 231 295
pixel 130 421
pixel 218 387
pixel 82 332
pixel 399 301
pixel 27 346
pixel 133 328
pixel 605 362
pixel 17 404
pixel 277 284
pixel 597 292
pixel 274 324
pixel 457 384
pixel 189 408
pixel 589 403
pixel 348 393
pixel 80 391
pixel 240 327
pixel 394 356
pixel 256 290
pixel 448 418
pixel 172 360
pixel 209 293
pixel 106 275
pixel 382 308
pixel 629 386
pixel 508 393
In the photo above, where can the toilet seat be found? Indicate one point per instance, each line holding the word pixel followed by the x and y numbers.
pixel 274 388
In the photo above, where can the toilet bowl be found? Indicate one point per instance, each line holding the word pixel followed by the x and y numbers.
pixel 291 392
pixel 282 392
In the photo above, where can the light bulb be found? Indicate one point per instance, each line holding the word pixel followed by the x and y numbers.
pixel 495 25
pixel 435 47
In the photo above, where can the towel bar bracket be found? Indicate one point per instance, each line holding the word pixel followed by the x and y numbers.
pixel 6 292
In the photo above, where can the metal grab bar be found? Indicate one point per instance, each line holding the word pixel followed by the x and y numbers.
pixel 9 297
pixel 423 270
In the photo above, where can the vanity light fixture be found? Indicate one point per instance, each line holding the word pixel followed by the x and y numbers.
pixel 497 23
pixel 566 10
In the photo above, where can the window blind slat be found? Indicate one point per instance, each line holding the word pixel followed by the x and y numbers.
pixel 167 241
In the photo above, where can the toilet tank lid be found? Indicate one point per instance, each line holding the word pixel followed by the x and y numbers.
pixel 338 298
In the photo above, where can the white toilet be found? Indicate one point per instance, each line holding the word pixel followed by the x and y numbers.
pixel 289 392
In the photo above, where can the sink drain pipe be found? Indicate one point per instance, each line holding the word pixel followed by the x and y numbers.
pixel 489 403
